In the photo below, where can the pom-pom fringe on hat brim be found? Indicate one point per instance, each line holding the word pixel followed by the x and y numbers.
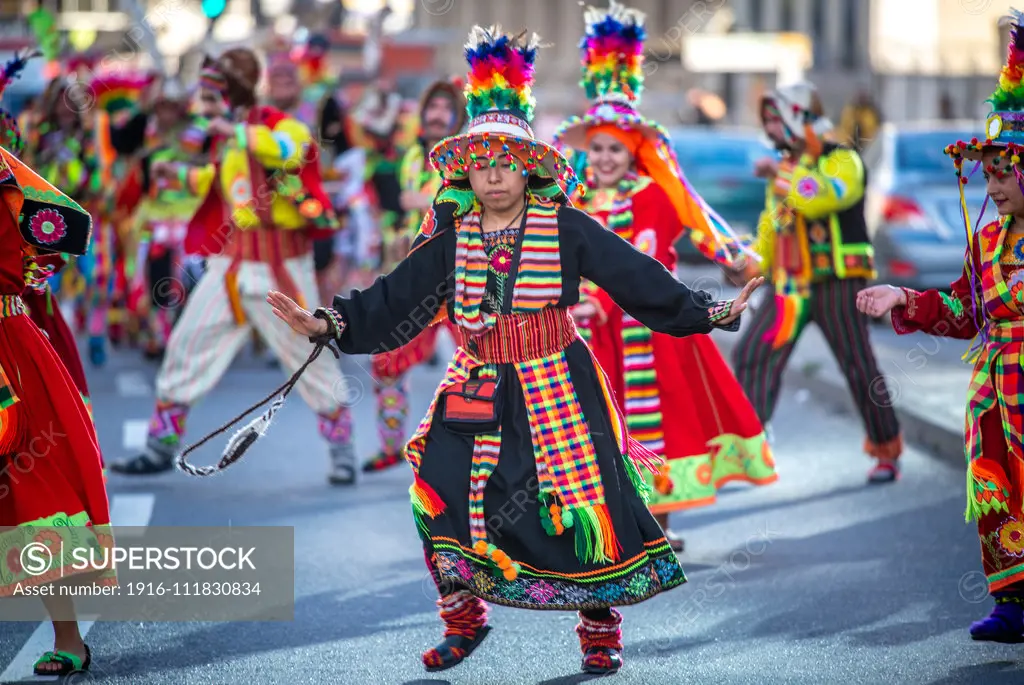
pixel 452 156
pixel 1002 129
pixel 573 132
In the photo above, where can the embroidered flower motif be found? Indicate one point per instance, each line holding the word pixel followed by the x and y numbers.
pixel 1018 250
pixel 241 190
pixel 666 570
pixel 429 223
pixel 807 188
pixel 47 226
pixel 1011 538
pixel 818 234
pixel 483 582
pixel 574 594
pixel 1016 285
pixel 501 260
pixel 48 538
pixel 540 592
pixel 609 592
pixel 704 473
pixel 646 241
pixel 445 563
pixel 463 569
pixel 639 585
pixel 513 590
pixel 1017 292
pixel 14 560
pixel 821 261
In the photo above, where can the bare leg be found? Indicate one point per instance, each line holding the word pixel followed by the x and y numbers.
pixel 66 636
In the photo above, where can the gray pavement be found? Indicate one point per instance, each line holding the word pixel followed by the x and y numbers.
pixel 815 579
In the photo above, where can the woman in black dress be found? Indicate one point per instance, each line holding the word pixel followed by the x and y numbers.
pixel 528 491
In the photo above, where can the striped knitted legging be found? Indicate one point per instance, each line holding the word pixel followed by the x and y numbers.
pixel 833 307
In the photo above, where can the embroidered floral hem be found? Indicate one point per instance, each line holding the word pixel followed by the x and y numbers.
pixel 629 582
pixel 695 480
pixel 58 533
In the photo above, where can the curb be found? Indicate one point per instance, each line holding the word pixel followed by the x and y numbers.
pixel 937 440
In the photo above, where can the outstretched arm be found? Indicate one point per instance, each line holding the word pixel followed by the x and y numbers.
pixel 936 313
pixel 933 312
pixel 388 314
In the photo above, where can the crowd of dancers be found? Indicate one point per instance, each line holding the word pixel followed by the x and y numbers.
pixel 584 374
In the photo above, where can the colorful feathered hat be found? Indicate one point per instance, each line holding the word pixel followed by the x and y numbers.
pixel 10 132
pixel 612 56
pixel 500 108
pixel 1005 125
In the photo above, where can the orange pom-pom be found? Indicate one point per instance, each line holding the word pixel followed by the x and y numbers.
pixel 480 547
pixel 498 556
pixel 510 573
pixel 505 563
pixel 553 509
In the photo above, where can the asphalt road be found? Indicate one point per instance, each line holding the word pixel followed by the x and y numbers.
pixel 815 579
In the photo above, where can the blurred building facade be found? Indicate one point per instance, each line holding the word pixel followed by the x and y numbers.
pixel 919 59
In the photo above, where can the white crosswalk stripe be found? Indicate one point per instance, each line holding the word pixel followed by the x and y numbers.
pixel 125 510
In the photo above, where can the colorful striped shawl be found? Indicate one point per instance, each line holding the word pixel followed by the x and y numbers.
pixel 538 283
pixel 642 403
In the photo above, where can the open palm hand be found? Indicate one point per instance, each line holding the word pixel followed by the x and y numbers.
pixel 300 320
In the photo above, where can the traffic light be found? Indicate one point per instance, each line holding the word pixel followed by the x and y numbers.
pixel 214 8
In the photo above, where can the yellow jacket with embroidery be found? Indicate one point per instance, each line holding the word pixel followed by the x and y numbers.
pixel 821 191
pixel 280 150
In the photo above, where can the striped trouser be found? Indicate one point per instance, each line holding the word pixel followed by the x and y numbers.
pixel 206 337
pixel 759 367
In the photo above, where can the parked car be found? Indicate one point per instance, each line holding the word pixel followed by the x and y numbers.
pixel 912 206
pixel 719 163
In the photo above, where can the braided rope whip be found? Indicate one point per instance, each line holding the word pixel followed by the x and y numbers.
pixel 247 436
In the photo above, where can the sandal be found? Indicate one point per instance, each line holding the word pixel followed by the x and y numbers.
pixel 69 663
pixel 675 542
pixel 602 661
pixel 454 650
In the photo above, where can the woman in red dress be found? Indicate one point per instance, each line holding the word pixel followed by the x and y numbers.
pixel 51 481
pixel 679 396
pixel 38 298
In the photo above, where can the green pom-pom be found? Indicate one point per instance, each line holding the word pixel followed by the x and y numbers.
pixel 566 519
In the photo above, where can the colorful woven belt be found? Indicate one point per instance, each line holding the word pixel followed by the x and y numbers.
pixel 12 305
pixel 1006 330
pixel 521 337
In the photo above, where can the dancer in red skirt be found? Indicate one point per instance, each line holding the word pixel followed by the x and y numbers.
pixel 51 483
pixel 42 306
pixel 679 397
